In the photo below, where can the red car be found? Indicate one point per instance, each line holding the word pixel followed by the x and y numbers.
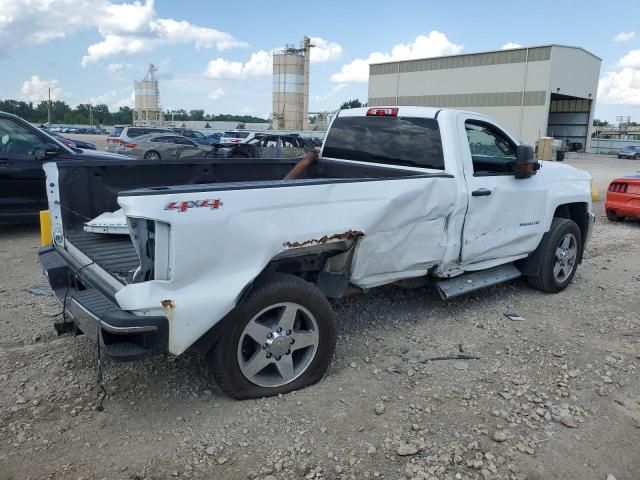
pixel 623 198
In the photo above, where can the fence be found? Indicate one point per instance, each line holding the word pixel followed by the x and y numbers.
pixel 610 145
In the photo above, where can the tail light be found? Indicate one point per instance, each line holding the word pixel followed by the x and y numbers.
pixel 129 146
pixel 114 141
pixel 618 187
pixel 382 112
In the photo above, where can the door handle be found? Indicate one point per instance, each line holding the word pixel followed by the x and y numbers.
pixel 483 192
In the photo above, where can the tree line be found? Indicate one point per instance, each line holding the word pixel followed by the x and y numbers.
pixel 84 114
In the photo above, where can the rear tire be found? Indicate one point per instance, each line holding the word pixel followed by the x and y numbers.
pixel 559 256
pixel 612 217
pixel 152 155
pixel 280 338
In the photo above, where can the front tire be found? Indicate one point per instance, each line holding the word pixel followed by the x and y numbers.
pixel 280 338
pixel 561 249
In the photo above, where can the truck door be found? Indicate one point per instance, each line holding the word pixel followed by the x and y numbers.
pixel 22 190
pixel 504 215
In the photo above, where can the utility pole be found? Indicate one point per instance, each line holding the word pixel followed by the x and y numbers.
pixel 49 108
pixel 90 116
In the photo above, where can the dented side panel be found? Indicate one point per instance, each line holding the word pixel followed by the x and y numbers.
pixel 399 227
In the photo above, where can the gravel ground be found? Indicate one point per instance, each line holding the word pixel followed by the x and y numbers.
pixel 555 396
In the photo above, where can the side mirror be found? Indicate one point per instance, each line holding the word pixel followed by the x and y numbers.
pixel 526 163
pixel 47 151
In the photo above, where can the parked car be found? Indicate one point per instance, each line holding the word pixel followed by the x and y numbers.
pixel 215 138
pixel 236 136
pixel 196 136
pixel 269 145
pixel 237 260
pixel 24 148
pixel 161 146
pixel 126 133
pixel 623 198
pixel 630 151
pixel 71 143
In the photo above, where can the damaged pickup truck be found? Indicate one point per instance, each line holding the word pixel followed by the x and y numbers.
pixel 233 258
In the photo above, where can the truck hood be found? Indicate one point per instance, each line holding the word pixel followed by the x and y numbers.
pixel 556 171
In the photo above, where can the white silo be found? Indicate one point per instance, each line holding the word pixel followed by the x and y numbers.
pixel 291 87
pixel 147 109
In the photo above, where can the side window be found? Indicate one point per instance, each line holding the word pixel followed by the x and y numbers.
pixel 135 132
pixel 184 141
pixel 16 140
pixel 492 152
pixel 163 139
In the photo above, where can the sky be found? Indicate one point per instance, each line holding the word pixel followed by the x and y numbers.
pixel 216 55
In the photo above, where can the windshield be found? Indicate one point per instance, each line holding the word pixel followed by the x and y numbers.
pixel 394 140
pixel 198 135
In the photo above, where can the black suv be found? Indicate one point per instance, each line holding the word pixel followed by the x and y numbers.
pixel 23 150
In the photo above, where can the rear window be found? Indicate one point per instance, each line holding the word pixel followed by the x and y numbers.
pixel 116 131
pixel 407 141
pixel 236 134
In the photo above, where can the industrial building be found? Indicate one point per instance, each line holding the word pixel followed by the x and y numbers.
pixel 291 87
pixel 147 109
pixel 537 91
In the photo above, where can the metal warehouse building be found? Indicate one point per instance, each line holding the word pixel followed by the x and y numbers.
pixel 548 90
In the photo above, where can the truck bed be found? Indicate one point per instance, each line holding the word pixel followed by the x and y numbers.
pixel 90 188
pixel 115 254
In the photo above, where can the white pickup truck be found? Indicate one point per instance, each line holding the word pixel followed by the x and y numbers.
pixel 226 257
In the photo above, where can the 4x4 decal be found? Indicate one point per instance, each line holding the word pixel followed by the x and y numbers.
pixel 184 206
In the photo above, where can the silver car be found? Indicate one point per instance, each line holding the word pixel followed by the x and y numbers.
pixel 160 146
pixel 126 133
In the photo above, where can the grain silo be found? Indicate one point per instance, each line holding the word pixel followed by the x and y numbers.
pixel 147 109
pixel 291 87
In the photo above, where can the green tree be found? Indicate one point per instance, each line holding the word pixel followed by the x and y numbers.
pixel 355 103
pixel 600 123
pixel 196 115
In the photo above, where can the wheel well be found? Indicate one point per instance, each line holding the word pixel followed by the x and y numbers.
pixel 576 212
pixel 573 211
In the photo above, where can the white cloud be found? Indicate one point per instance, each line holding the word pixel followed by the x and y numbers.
pixel 432 45
pixel 620 88
pixel 510 45
pixel 630 60
pixel 331 93
pixel 126 28
pixel 324 50
pixel 36 89
pixel 216 94
pixel 133 28
pixel 127 101
pixel 624 37
pixel 260 63
pixel 117 68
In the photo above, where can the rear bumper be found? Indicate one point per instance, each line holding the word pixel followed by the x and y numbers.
pixel 623 204
pixel 122 335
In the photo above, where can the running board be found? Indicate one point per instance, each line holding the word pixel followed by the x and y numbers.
pixel 470 282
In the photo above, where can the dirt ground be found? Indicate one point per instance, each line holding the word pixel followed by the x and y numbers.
pixel 555 396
